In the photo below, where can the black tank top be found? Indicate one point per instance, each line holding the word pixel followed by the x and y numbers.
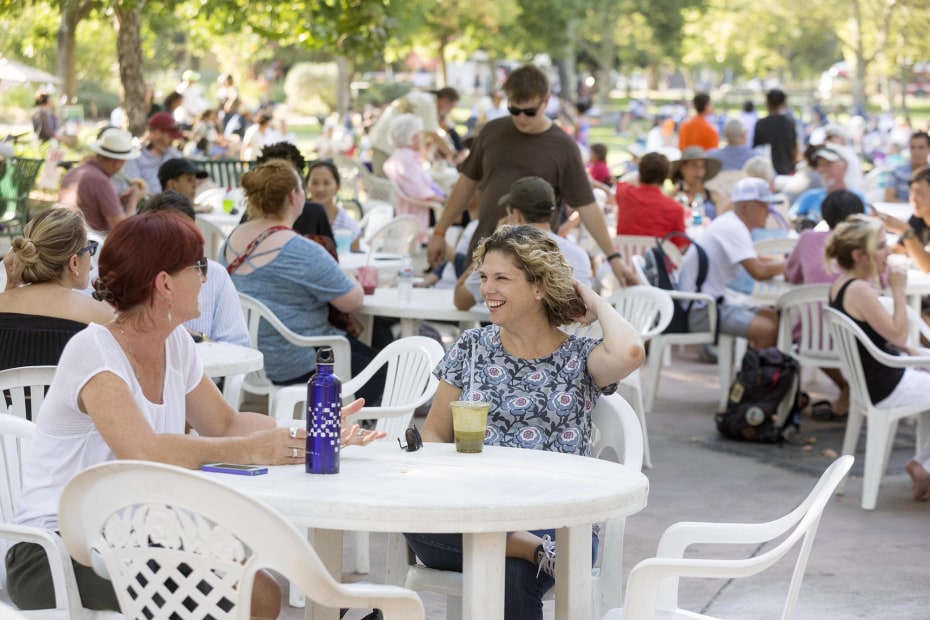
pixel 880 379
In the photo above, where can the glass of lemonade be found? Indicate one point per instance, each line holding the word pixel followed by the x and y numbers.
pixel 469 420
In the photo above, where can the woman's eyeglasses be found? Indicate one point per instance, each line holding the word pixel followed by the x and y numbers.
pixel 515 111
pixel 414 440
pixel 90 248
pixel 201 264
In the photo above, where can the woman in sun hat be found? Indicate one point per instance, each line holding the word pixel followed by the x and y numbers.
pixel 689 173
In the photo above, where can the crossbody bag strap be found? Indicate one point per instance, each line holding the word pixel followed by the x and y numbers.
pixel 231 267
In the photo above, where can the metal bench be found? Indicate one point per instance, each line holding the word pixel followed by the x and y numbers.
pixel 16 182
pixel 224 172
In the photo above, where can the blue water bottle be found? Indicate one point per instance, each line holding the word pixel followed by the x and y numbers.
pixel 324 408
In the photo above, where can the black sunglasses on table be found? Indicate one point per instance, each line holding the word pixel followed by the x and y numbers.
pixel 414 440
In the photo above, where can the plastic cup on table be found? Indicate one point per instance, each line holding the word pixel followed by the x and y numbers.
pixel 343 240
pixel 469 421
pixel 368 278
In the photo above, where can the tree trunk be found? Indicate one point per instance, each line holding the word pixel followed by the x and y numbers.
pixel 343 86
pixel 858 49
pixel 859 100
pixel 653 72
pixel 72 12
pixel 441 77
pixel 129 52
pixel 566 59
pixel 605 62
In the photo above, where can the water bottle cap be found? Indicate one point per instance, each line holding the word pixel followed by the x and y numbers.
pixel 324 355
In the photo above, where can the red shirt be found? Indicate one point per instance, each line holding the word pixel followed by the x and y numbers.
pixel 599 171
pixel 645 210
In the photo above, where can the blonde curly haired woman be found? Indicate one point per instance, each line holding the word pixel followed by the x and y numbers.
pixel 541 384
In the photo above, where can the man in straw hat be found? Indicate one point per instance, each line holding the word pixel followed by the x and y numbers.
pixel 89 188
pixel 728 244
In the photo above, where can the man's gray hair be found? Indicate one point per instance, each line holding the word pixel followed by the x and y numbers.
pixel 734 130
pixel 403 128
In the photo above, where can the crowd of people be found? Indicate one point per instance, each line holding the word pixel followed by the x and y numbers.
pixel 129 380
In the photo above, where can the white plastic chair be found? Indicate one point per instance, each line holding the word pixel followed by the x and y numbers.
pixel 162 532
pixel 660 343
pixel 213 237
pixel 15 433
pixel 633 245
pixel 377 214
pixel 377 188
pixel 803 307
pixel 349 173
pixel 883 422
pixel 24 389
pixel 8 612
pixel 416 202
pixel 649 310
pixel 778 248
pixel 652 587
pixel 257 382
pixel 618 438
pixel 395 237
pixel 409 383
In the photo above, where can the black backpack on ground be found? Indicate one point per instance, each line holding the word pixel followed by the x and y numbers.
pixel 767 378
pixel 660 271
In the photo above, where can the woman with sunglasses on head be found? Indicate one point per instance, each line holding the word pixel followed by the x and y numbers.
pixel 861 251
pixel 40 309
pixel 541 385
pixel 124 390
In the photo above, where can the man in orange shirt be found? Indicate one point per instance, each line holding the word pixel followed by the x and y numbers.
pixel 696 131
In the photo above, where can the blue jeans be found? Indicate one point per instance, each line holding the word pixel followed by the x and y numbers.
pixel 523 590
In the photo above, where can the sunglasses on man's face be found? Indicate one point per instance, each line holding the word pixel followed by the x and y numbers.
pixel 202 266
pixel 414 440
pixel 515 111
pixel 90 248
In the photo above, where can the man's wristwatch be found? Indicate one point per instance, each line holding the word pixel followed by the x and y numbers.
pixel 610 257
pixel 908 234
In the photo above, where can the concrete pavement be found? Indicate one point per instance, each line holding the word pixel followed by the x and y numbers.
pixel 863 564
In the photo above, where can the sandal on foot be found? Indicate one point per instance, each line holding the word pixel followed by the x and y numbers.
pixel 822 410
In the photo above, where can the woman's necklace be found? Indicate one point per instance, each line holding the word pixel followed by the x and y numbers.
pixel 132 356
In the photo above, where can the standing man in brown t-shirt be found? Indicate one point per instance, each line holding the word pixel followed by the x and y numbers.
pixel 525 144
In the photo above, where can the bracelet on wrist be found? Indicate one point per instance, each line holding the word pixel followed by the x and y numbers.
pixel 910 233
pixel 439 233
pixel 610 257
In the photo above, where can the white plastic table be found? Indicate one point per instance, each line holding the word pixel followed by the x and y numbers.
pixel 223 359
pixel 381 488
pixel 426 304
pixel 349 262
pixel 901 210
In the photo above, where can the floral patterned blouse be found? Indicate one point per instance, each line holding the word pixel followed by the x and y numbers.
pixel 541 404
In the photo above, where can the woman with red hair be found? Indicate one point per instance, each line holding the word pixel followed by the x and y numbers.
pixel 124 390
